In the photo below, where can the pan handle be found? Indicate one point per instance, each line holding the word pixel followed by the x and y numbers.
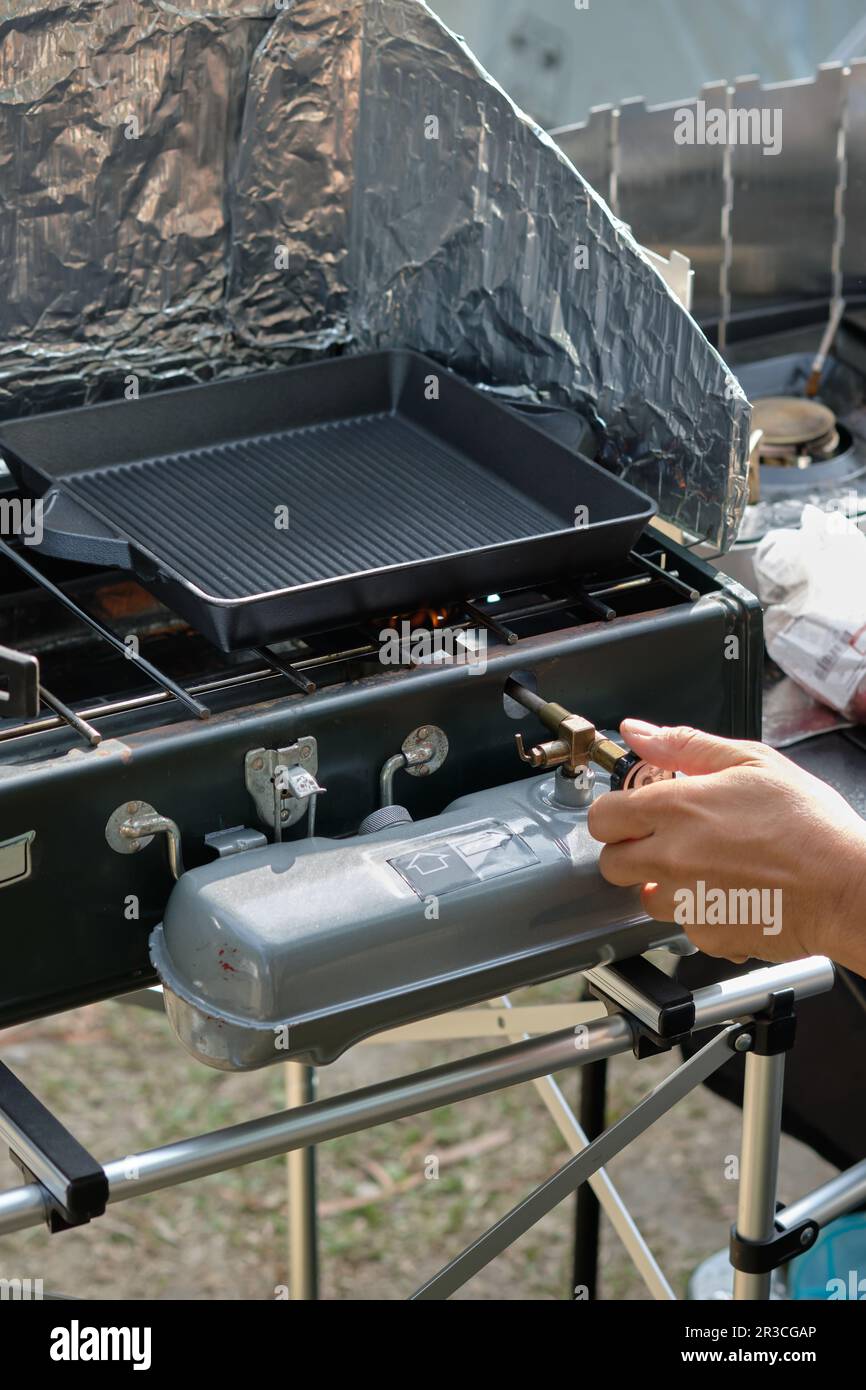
pixel 71 532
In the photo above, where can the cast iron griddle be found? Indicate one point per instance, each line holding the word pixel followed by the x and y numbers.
pixel 400 486
pixel 344 482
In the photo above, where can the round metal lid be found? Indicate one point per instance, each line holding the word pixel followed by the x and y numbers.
pixel 792 420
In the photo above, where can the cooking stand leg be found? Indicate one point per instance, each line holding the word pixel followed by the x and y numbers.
pixel 543 1200
pixel 301 1176
pixel 760 1240
pixel 763 1002
pixel 606 1195
pixel 587 1211
pixel 759 1163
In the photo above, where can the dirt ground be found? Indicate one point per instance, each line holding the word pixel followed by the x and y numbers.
pixel 118 1079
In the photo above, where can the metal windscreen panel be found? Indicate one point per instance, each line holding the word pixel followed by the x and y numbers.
pixel 526 280
pixel 673 195
pixel 784 220
pixel 119 125
pixel 591 147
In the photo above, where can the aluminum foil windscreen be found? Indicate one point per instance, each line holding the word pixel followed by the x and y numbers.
pixel 119 124
pixel 200 188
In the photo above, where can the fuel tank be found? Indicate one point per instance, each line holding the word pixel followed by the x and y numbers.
pixel 299 950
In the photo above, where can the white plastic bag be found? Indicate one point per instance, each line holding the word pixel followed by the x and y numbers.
pixel 812 583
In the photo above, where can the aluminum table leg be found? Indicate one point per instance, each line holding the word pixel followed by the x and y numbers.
pixel 301 1176
pixel 759 1162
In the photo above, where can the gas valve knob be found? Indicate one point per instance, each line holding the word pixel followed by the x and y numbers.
pixel 577 744
pixel 632 771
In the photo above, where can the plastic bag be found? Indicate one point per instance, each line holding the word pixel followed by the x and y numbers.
pixel 812 583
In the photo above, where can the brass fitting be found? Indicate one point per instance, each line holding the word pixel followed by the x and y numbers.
pixel 576 744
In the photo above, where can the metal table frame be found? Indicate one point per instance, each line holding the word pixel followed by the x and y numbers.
pixel 735 1006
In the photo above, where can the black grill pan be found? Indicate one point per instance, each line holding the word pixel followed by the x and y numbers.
pixel 292 500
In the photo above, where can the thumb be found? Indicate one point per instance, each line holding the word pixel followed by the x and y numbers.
pixel 687 750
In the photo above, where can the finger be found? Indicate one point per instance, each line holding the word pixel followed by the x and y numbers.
pixel 626 865
pixel 683 749
pixel 661 901
pixel 658 902
pixel 721 944
pixel 619 816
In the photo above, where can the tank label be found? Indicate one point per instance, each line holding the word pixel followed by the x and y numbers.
pixel 463 859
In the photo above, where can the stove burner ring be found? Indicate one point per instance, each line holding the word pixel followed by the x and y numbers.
pixel 797 431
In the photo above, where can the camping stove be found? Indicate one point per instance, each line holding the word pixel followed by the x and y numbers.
pixel 121 778
pixel 812 449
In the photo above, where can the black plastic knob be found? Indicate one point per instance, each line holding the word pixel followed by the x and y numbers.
pixel 384 819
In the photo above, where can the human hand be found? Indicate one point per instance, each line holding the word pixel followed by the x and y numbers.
pixel 751 855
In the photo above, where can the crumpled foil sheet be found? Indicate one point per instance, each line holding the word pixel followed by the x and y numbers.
pixel 119 129
pixel 197 188
pixel 785 513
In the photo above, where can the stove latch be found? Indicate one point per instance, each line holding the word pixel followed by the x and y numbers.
pixel 237 839
pixel 282 783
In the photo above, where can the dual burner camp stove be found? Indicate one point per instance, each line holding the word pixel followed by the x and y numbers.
pixel 209 710
pixel 391 779
pixel 659 635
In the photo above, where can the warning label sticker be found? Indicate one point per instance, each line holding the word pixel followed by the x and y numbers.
pixel 463 859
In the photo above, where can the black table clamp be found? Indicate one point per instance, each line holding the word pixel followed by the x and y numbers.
pixel 75 1186
pixel 763 1256
pixel 659 1010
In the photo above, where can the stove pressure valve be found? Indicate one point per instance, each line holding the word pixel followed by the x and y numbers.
pixel 577 743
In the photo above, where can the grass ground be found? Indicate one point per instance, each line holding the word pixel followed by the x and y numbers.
pixel 118 1079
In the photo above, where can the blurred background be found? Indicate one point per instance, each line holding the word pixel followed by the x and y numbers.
pixel 557 60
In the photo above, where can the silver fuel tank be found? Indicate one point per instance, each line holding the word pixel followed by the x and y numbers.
pixel 299 950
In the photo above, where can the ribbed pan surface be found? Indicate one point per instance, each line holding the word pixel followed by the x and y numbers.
pixel 361 494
